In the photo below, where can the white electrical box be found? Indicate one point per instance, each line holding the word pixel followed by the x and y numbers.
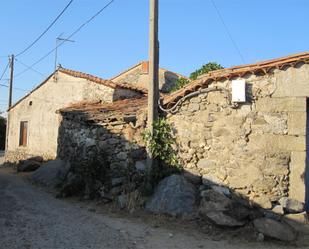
pixel 238 91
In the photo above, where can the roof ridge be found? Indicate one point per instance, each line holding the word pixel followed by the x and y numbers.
pixel 228 73
pixel 96 79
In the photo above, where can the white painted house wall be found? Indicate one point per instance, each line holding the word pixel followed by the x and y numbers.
pixel 57 92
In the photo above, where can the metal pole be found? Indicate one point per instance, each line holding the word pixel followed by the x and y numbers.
pixel 56 49
pixel 153 87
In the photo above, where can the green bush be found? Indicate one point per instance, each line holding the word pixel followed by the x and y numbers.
pixel 210 66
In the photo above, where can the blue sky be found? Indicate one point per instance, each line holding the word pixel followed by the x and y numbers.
pixel 190 35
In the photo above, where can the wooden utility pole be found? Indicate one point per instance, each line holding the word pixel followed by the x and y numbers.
pixel 10 102
pixel 11 81
pixel 153 87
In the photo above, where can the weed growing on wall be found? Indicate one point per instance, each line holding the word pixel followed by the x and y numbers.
pixel 160 144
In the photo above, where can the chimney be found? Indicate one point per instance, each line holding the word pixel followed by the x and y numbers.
pixel 145 67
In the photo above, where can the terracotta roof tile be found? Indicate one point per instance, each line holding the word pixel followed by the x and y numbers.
pixel 237 71
pixel 99 80
pixel 101 111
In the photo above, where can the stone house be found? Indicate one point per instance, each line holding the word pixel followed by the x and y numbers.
pixel 138 75
pixel 33 118
pixel 33 122
pixel 256 148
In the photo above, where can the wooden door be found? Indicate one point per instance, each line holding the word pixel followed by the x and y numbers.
pixel 23 133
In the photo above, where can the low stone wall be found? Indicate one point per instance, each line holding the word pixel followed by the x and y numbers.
pixel 250 149
pixel 121 142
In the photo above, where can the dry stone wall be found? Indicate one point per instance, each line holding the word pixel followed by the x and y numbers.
pixel 254 149
pixel 121 142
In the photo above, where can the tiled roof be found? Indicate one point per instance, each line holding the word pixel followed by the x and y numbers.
pixel 103 111
pixel 89 77
pixel 99 80
pixel 237 71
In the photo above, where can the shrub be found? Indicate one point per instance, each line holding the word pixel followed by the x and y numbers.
pixel 210 66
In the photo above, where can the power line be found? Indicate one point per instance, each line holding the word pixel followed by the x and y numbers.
pixel 45 31
pixel 70 36
pixel 228 32
pixel 30 68
pixel 5 69
pixel 16 88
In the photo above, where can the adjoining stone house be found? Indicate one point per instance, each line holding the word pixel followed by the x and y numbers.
pixel 110 128
pixel 139 75
pixel 256 148
pixel 33 122
pixel 33 128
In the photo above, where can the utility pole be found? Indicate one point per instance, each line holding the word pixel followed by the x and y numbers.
pixel 10 102
pixel 153 87
pixel 11 81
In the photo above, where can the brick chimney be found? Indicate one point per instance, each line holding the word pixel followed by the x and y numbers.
pixel 145 67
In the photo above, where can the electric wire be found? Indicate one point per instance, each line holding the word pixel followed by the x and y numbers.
pixel 30 68
pixel 4 71
pixel 227 31
pixel 16 88
pixel 46 30
pixel 67 38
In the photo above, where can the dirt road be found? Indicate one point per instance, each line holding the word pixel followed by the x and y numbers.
pixel 30 218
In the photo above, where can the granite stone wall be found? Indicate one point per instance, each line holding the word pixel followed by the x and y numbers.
pixel 120 141
pixel 254 149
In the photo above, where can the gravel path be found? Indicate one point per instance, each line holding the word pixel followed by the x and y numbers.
pixel 33 219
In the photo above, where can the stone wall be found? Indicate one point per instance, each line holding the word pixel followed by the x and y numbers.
pixel 120 141
pixel 257 149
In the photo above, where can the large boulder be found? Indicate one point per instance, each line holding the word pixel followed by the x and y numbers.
pixel 291 205
pixel 28 165
pixel 174 195
pixel 222 210
pixel 221 219
pixel 274 229
pixel 299 222
pixel 52 173
pixel 214 201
